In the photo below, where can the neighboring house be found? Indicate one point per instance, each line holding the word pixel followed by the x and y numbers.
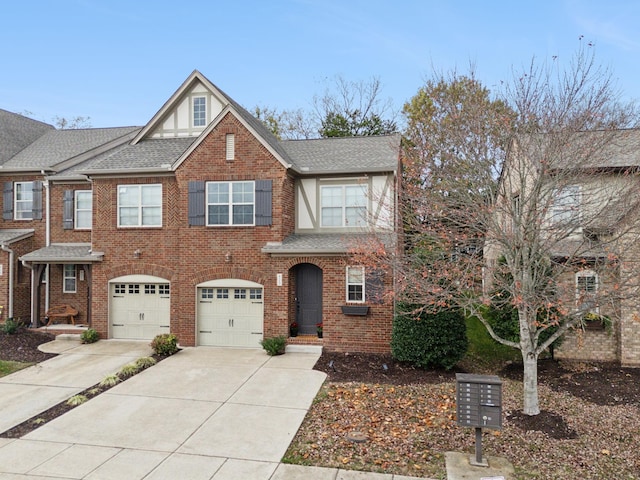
pixel 202 224
pixel 579 199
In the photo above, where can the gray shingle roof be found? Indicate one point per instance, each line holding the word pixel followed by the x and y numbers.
pixel 344 154
pixel 8 236
pixel 63 252
pixel 56 146
pixel 151 153
pixel 322 243
pixel 592 149
pixel 17 132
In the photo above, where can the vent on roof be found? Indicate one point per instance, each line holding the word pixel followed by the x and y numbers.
pixel 231 146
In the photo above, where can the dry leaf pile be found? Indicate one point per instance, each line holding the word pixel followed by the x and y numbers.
pixel 405 429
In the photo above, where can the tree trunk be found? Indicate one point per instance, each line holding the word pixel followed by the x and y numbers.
pixel 530 383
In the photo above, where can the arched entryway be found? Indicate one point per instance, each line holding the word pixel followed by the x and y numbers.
pixel 308 297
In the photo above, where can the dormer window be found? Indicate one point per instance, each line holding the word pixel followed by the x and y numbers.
pixel 199 111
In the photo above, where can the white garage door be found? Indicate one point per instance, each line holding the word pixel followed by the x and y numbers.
pixel 139 310
pixel 230 316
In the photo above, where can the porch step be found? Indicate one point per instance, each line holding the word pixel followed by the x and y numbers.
pixel 304 344
pixel 303 349
pixel 61 331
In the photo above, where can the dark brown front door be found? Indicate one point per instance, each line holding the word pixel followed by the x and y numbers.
pixel 308 297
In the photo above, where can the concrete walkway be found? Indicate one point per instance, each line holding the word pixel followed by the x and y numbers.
pixel 204 413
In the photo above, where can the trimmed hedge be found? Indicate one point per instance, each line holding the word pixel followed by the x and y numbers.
pixel 429 340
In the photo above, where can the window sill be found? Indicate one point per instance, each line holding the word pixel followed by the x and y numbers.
pixel 360 310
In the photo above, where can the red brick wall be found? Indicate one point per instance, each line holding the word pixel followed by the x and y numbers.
pixel 189 255
pixel 58 233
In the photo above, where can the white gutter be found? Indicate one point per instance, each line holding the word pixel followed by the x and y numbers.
pixel 11 255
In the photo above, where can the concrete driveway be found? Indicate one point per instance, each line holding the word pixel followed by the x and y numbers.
pixel 203 413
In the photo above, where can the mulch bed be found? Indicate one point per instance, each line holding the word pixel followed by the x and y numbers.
pixel 23 346
pixel 599 383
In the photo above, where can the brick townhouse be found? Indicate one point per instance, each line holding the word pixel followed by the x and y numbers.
pixel 201 223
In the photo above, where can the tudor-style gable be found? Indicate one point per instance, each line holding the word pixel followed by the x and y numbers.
pixel 188 112
pixel 191 113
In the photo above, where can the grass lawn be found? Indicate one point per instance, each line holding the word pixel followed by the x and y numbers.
pixel 484 353
pixel 7 367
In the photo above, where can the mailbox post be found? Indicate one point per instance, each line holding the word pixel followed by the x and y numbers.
pixel 479 405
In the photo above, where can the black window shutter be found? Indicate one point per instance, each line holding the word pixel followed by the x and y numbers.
pixel 67 202
pixel 36 206
pixel 264 198
pixel 196 202
pixel 374 286
pixel 7 199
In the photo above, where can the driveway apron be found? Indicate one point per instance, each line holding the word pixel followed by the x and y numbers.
pixel 203 413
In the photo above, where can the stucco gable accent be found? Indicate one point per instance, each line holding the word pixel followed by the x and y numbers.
pixel 172 102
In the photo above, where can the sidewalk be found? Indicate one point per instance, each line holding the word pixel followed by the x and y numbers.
pixel 204 413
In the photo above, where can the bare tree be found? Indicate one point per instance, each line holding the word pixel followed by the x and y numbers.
pixel 352 109
pixel 345 109
pixel 531 194
pixel 73 123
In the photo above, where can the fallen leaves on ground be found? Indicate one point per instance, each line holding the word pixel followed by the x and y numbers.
pixel 408 429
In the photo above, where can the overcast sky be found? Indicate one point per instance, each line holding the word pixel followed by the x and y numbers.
pixel 118 61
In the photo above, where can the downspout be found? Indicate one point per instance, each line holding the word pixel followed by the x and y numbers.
pixel 34 322
pixel 47 229
pixel 11 259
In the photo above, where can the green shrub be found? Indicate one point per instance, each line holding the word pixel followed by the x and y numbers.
pixel 165 344
pixel 429 340
pixel 90 336
pixel 145 362
pixel 11 326
pixel 110 381
pixel 128 370
pixel 77 400
pixel 274 345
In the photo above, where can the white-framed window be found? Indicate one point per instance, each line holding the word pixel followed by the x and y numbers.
pixel 586 290
pixel 69 284
pixel 230 144
pixel 343 205
pixel 23 201
pixel 82 206
pixel 199 111
pixel 140 205
pixel 222 293
pixel 565 209
pixel 230 203
pixel 355 284
pixel 255 293
pixel 206 293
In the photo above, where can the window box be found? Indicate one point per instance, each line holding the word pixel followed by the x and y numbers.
pixel 594 325
pixel 355 309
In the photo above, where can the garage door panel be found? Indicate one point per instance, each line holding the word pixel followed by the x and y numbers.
pixel 230 317
pixel 139 311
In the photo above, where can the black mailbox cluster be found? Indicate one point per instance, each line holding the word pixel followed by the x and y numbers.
pixel 479 401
